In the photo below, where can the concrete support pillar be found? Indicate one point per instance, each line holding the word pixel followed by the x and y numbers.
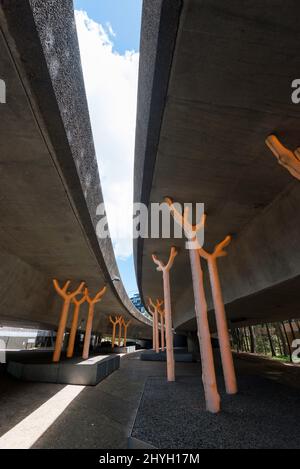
pixel 162 330
pixel 88 332
pixel 114 322
pixel 153 308
pixel 165 269
pixel 169 328
pixel 67 297
pixel 77 304
pixel 153 333
pixel 222 327
pixel 89 324
pixel 212 397
pixel 156 331
pixel 151 312
pixel 120 332
pixel 125 325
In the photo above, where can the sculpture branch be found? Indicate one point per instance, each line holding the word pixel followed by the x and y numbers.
pixel 116 321
pixel 160 309
pixel 76 292
pixel 219 249
pixel 61 291
pixel 190 230
pixel 81 301
pixel 151 306
pixel 290 160
pixel 100 294
pixel 97 298
pixel 173 254
pixel 161 266
pixel 124 323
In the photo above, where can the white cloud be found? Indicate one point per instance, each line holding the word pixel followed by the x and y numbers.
pixel 111 87
pixel 110 29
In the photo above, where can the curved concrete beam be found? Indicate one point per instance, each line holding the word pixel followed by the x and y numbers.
pixel 47 126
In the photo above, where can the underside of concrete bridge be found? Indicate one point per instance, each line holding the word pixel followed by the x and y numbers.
pixel 50 186
pixel 215 81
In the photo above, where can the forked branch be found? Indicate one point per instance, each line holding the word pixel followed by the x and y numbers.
pixel 125 324
pixel 97 298
pixel 290 160
pixel 161 267
pixel 63 291
pixel 82 300
pixel 189 229
pixel 218 251
pixel 116 320
pixel 151 306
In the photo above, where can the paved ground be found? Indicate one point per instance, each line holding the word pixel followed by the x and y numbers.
pixel 19 399
pixel 102 416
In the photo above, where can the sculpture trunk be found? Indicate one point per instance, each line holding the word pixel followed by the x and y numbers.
pixel 223 334
pixel 88 332
pixel 212 397
pixel 113 339
pixel 120 332
pixel 70 350
pixel 162 333
pixel 169 332
pixel 125 336
pixel 156 331
pixel 61 330
pixel 153 333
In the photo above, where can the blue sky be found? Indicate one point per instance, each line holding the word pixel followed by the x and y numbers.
pixel 123 15
pixel 106 30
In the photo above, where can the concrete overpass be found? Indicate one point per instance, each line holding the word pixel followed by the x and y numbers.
pixel 50 185
pixel 215 81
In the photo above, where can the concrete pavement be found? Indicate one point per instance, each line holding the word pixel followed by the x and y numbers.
pixel 101 417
